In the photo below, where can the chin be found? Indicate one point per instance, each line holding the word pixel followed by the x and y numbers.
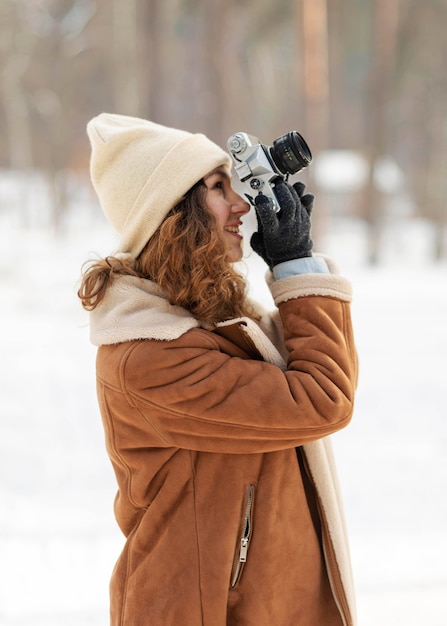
pixel 234 256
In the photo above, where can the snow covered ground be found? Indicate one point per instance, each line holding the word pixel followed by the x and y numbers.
pixel 58 538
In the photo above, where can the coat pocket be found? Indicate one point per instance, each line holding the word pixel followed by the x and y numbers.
pixel 244 537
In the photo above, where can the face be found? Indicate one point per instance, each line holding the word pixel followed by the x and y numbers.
pixel 227 207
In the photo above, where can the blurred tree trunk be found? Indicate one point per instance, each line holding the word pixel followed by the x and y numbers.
pixel 152 64
pixel 314 20
pixel 383 49
pixel 423 93
pixel 125 55
pixel 338 100
pixel 16 110
pixel 16 52
pixel 436 191
pixel 216 74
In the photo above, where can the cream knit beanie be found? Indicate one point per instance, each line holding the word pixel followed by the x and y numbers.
pixel 140 170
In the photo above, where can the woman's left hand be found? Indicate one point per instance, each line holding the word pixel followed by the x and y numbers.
pixel 284 235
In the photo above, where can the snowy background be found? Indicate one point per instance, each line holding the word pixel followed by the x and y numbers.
pixel 58 537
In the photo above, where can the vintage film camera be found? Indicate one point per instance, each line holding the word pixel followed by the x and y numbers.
pixel 259 166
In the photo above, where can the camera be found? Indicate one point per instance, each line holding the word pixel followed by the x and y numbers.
pixel 259 166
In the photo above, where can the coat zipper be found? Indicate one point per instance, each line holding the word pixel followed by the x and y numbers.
pixel 246 531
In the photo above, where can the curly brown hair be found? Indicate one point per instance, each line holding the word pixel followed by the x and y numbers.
pixel 186 256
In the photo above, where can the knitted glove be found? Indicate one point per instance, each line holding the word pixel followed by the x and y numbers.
pixel 284 235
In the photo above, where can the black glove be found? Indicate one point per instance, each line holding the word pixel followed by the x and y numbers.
pixel 284 235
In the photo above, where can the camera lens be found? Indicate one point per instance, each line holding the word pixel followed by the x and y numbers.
pixel 290 153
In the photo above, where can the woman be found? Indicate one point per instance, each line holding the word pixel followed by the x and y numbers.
pixel 216 413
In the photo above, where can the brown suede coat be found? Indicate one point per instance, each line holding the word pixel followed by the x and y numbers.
pixel 219 439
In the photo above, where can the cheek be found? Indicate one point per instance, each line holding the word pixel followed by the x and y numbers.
pixel 221 219
pixel 219 211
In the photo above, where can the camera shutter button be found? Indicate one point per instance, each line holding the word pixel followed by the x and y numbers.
pixel 237 143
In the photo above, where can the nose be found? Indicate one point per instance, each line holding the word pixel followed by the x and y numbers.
pixel 239 205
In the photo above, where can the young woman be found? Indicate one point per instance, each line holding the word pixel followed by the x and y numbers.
pixel 217 413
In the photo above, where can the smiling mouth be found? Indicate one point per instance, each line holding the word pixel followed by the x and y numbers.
pixel 232 229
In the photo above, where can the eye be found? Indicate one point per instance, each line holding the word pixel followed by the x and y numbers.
pixel 218 180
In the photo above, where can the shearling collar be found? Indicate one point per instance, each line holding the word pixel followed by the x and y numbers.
pixel 135 308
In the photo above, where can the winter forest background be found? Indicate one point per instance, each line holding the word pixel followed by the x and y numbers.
pixel 364 81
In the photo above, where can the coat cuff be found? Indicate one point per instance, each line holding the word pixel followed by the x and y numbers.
pixel 332 285
pixel 305 265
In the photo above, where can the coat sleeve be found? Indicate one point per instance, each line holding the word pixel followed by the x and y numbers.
pixel 191 394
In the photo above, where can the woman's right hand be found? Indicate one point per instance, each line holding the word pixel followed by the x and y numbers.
pixel 284 235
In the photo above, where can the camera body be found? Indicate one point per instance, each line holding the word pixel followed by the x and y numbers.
pixel 259 166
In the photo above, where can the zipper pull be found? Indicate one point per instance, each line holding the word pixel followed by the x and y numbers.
pixel 243 550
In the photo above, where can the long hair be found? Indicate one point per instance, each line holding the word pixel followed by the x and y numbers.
pixel 186 257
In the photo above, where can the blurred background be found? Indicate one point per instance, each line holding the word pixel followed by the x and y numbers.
pixel 364 81
pixel 364 77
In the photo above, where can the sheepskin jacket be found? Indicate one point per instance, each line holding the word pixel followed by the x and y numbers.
pixel 219 438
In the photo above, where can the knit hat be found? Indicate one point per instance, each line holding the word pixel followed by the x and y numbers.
pixel 140 170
